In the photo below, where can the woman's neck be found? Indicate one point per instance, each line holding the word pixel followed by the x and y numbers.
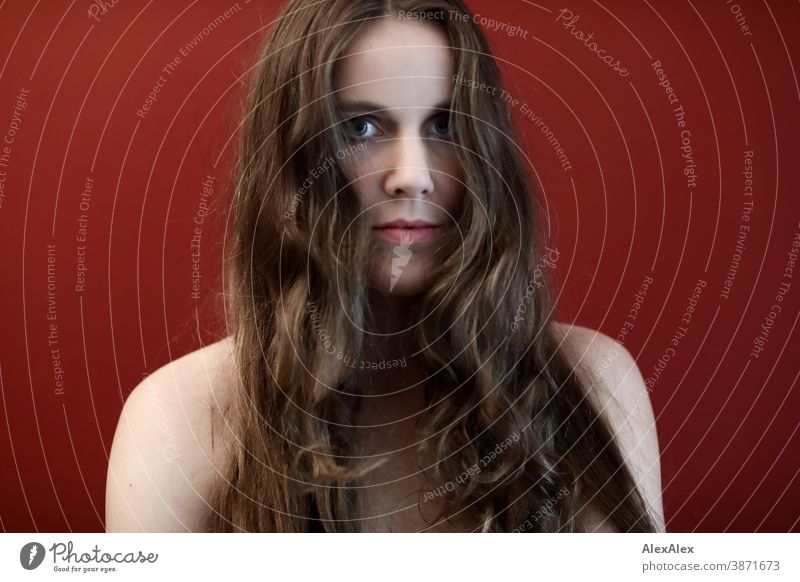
pixel 390 348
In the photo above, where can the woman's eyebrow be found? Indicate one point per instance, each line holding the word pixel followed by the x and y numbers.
pixel 362 106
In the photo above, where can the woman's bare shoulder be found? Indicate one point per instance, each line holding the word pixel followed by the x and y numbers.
pixel 167 449
pixel 202 377
pixel 578 337
pixel 618 390
pixel 610 366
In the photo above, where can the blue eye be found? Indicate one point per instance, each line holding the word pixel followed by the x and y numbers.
pixel 357 127
pixel 442 126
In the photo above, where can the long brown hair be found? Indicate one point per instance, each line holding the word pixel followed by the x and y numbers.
pixel 497 379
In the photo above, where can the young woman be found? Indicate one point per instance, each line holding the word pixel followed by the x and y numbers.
pixel 393 364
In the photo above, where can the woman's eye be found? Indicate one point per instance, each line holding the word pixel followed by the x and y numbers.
pixel 358 127
pixel 442 126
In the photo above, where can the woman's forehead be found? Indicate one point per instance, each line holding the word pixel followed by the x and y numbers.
pixel 398 63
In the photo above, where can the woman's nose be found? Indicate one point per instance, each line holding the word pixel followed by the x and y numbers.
pixel 409 174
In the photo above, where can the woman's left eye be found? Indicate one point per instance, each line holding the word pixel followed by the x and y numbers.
pixel 442 126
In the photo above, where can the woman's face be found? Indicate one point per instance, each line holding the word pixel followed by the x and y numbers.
pixel 394 87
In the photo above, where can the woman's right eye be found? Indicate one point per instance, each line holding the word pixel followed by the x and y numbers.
pixel 358 127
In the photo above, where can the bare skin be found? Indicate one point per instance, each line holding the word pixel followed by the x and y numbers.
pixel 171 439
pixel 160 474
pixel 170 444
pixel 408 170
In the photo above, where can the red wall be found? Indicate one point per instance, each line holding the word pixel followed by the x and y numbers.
pixel 621 213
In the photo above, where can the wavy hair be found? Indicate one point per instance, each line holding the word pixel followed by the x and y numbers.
pixel 496 371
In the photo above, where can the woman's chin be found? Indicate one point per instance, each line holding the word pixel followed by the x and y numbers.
pixel 401 284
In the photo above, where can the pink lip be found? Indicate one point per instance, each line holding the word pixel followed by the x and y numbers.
pixel 400 223
pixel 411 231
pixel 411 235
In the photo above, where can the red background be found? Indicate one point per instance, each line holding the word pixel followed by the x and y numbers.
pixel 727 422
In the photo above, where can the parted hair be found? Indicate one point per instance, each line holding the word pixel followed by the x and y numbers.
pixel 496 370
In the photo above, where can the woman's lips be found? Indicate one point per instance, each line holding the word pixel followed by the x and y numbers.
pixel 408 234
